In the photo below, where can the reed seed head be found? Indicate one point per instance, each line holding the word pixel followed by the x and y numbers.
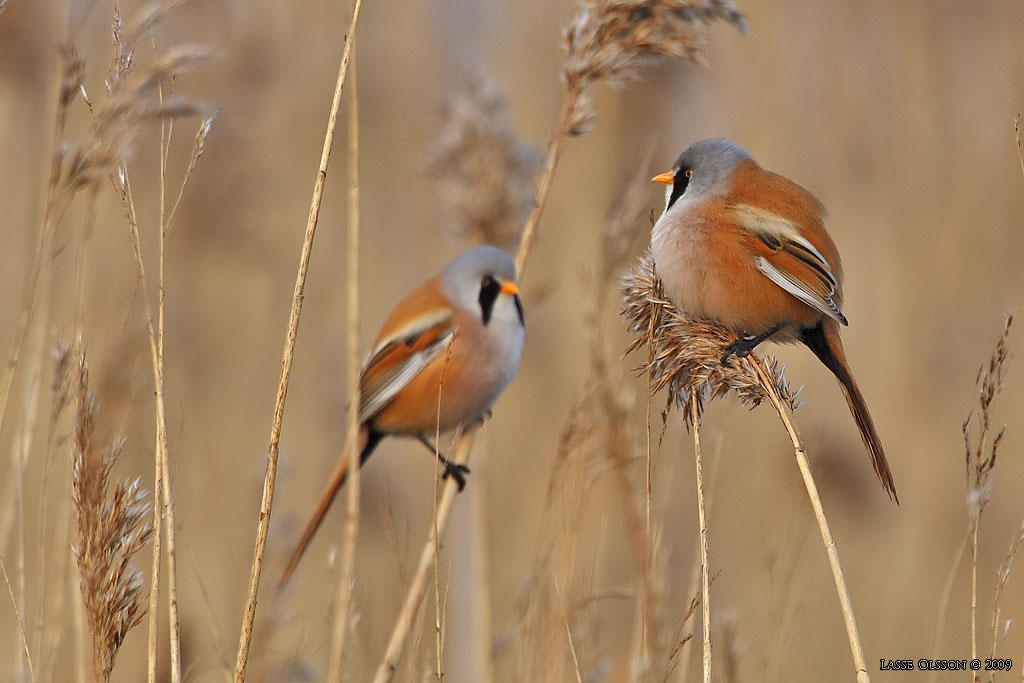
pixel 685 353
pixel 114 523
pixel 484 172
pixel 609 40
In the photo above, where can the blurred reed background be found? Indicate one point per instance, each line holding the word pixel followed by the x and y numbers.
pixel 898 116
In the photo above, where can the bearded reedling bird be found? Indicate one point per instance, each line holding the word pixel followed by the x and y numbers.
pixel 747 248
pixel 442 358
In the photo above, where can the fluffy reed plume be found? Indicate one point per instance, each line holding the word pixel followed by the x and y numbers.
pixel 484 172
pixel 686 353
pixel 113 524
pixel 609 40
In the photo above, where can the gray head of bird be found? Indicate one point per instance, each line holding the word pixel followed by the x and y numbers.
pixel 701 170
pixel 482 280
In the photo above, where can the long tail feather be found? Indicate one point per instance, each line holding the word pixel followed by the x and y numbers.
pixel 366 441
pixel 824 341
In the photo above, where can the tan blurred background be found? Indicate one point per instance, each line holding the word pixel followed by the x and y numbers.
pixel 899 116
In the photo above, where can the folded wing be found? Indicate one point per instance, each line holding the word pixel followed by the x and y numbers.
pixel 400 357
pixel 789 260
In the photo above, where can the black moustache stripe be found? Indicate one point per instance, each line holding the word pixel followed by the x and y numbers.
pixel 678 187
pixel 489 292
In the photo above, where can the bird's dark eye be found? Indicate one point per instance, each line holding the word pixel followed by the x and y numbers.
pixel 486 281
pixel 688 173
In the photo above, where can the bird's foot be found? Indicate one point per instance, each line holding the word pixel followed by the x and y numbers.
pixel 455 471
pixel 740 348
pixel 745 343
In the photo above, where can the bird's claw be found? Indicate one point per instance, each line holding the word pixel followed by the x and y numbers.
pixel 456 472
pixel 740 348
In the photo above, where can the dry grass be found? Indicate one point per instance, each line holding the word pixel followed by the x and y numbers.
pixel 113 526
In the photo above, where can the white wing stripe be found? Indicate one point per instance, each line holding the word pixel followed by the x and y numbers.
pixel 402 374
pixel 412 328
pixel 799 290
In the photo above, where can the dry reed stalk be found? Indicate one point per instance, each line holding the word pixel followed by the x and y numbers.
pixel 537 631
pixel 295 312
pixel 351 529
pixel 679 659
pixel 687 362
pixel 1000 629
pixel 21 625
pixel 980 459
pixel 471 620
pixel 438 626
pixel 596 438
pixel 50 605
pixel 597 429
pixel 112 527
pixel 23 446
pixel 568 634
pixel 978 468
pixel 418 587
pixel 52 541
pixel 787 593
pixel 785 409
pixel 155 331
pixel 705 583
pixel 57 196
pixel 608 41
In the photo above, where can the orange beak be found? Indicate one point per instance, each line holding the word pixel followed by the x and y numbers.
pixel 509 288
pixel 668 178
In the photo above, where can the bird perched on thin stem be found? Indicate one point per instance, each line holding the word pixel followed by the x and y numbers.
pixel 747 248
pixel 441 360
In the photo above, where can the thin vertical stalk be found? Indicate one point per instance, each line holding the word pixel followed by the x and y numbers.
pixel 249 615
pixel 154 588
pixel 702 521
pixel 156 352
pixel 21 625
pixel 974 588
pixel 351 530
pixel 845 603
pixel 418 587
pixel 554 151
